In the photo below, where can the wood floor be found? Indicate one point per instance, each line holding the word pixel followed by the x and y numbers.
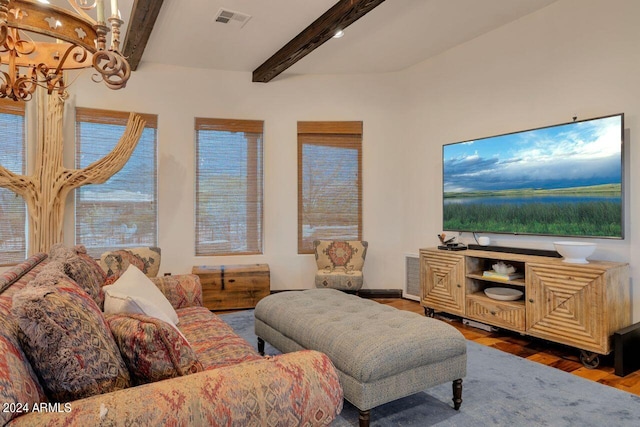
pixel 550 354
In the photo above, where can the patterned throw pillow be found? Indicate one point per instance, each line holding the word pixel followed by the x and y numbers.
pixel 67 340
pixel 152 349
pixel 146 259
pixel 83 269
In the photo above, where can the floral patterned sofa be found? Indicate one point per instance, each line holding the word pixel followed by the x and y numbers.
pixel 63 361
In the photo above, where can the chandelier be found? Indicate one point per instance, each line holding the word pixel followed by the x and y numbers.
pixel 74 41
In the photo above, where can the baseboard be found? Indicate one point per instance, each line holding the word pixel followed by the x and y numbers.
pixel 364 293
pixel 380 293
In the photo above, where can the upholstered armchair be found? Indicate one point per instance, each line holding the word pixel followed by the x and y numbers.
pixel 146 258
pixel 340 263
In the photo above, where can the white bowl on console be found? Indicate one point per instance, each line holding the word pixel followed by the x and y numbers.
pixel 575 252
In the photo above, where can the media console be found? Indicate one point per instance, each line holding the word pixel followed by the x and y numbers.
pixel 580 305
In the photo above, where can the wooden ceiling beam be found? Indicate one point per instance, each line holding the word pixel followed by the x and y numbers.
pixel 339 17
pixel 143 17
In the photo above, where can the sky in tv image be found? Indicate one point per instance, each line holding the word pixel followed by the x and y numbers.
pixel 572 155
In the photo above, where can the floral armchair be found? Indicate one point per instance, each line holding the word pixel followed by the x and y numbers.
pixel 340 263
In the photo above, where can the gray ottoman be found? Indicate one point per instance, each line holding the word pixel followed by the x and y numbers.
pixel 381 353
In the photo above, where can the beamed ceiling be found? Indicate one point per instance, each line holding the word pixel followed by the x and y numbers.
pixel 284 37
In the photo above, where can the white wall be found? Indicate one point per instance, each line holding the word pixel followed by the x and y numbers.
pixel 178 95
pixel 572 58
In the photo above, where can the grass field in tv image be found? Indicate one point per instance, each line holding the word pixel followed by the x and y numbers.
pixel 565 180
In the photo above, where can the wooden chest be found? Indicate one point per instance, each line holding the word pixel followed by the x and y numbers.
pixel 230 287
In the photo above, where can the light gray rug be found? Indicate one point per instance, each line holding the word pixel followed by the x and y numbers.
pixel 499 390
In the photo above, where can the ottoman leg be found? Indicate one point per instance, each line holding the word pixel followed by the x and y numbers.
pixel 457 394
pixel 364 418
pixel 261 346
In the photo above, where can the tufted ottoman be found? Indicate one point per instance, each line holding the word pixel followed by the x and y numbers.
pixel 381 353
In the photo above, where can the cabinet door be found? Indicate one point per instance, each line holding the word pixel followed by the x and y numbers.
pixel 565 304
pixel 442 281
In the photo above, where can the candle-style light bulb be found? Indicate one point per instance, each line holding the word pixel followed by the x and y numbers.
pixel 100 11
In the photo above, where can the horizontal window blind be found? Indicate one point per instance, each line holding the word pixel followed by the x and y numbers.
pixel 228 186
pixel 122 212
pixel 329 182
pixel 13 210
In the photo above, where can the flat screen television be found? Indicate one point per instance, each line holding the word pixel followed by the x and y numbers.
pixel 561 180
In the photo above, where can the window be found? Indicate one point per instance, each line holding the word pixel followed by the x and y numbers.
pixel 228 187
pixel 13 210
pixel 122 212
pixel 329 182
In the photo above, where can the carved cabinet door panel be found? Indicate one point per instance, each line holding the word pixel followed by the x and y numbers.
pixel 565 304
pixel 442 278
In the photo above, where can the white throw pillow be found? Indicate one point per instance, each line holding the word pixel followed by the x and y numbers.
pixel 134 293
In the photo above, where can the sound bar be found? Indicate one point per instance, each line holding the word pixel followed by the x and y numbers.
pixel 521 251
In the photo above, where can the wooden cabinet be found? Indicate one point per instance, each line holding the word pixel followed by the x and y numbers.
pixel 230 287
pixel 580 305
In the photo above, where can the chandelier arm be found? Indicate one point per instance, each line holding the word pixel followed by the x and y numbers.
pixel 113 68
pixel 4 29
pixel 78 57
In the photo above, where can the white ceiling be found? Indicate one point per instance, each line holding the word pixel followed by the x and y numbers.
pixel 395 35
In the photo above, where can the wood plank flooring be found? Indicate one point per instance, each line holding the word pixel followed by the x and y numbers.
pixel 550 354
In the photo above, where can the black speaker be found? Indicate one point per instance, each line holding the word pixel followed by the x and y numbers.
pixel 626 344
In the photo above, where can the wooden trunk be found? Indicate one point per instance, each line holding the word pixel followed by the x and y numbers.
pixel 230 287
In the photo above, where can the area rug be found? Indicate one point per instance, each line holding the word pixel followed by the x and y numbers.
pixel 499 390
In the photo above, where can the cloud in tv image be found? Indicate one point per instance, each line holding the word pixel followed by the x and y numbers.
pixel 563 180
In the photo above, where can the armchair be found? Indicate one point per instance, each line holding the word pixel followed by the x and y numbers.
pixel 340 263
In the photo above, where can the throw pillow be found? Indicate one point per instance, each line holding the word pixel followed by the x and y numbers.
pixel 67 340
pixel 152 349
pixel 147 259
pixel 83 269
pixel 135 293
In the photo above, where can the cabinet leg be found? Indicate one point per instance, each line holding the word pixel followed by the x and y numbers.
pixel 429 312
pixel 457 393
pixel 364 418
pixel 261 346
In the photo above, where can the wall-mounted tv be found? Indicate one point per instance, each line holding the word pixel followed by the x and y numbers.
pixel 561 180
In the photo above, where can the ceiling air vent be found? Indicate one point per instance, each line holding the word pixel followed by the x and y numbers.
pixel 225 16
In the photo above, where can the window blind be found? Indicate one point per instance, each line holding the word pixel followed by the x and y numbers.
pixel 122 212
pixel 228 186
pixel 13 210
pixel 329 182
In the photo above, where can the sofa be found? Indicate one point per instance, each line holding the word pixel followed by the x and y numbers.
pixel 62 370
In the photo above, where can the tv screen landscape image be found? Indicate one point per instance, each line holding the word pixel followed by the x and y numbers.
pixel 561 180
